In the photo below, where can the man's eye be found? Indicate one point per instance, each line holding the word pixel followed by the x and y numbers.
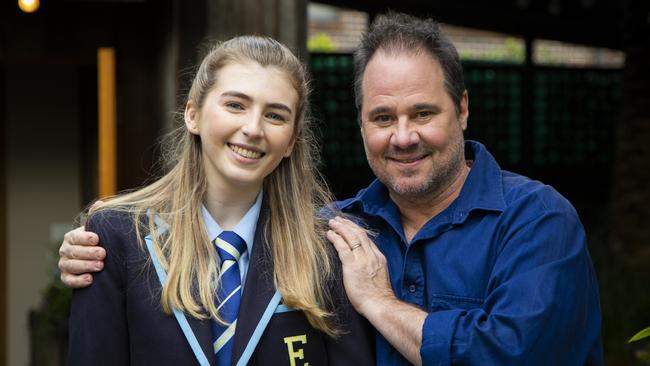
pixel 383 118
pixel 423 114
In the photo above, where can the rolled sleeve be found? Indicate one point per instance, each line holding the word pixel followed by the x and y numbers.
pixel 437 334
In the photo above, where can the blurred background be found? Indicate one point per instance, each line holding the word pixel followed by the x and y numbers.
pixel 559 91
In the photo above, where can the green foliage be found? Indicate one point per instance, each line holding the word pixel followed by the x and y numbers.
pixel 53 312
pixel 514 50
pixel 320 42
pixel 49 321
pixel 510 51
pixel 642 354
pixel 642 334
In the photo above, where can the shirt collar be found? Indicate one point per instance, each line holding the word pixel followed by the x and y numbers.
pixel 245 228
pixel 483 189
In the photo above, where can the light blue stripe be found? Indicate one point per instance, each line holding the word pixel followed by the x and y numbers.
pixel 261 325
pixel 282 308
pixel 180 317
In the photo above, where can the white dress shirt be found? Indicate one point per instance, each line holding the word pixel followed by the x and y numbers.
pixel 245 228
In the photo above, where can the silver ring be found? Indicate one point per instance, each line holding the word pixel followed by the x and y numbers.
pixel 355 246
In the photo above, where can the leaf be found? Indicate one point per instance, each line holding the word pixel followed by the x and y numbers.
pixel 642 334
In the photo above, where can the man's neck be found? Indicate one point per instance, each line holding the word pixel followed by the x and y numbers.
pixel 417 211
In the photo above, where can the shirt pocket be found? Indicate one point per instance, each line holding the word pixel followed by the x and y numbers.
pixel 440 302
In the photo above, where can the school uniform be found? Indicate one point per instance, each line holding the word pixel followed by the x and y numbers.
pixel 118 319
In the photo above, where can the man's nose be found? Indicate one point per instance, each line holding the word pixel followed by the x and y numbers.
pixel 404 134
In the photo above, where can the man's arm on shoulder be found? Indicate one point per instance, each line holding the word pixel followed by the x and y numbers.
pixel 365 277
pixel 80 255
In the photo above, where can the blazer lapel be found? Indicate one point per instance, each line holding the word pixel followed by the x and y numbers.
pixel 203 332
pixel 201 329
pixel 258 291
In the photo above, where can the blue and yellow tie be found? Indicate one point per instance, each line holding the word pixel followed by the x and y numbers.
pixel 230 248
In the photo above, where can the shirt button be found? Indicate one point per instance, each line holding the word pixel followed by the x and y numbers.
pixel 412 288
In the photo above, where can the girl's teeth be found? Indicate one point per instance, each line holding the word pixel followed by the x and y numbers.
pixel 245 152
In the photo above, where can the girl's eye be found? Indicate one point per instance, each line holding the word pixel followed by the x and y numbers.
pixel 276 117
pixel 234 105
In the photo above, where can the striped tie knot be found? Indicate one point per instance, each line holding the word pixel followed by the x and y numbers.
pixel 230 246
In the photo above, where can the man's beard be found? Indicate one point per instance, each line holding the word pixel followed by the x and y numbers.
pixel 439 178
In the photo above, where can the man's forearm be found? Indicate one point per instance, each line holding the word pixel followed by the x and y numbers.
pixel 400 323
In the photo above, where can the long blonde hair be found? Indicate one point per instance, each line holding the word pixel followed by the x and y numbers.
pixel 294 192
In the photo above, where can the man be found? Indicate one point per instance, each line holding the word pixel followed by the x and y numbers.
pixel 470 264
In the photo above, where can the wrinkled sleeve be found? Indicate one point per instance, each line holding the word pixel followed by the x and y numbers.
pixel 541 305
pixel 98 326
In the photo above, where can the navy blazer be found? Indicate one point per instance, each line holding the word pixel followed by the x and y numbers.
pixel 118 319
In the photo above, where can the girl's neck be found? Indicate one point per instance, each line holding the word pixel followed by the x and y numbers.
pixel 228 205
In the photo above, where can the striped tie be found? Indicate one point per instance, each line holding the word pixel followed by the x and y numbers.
pixel 230 247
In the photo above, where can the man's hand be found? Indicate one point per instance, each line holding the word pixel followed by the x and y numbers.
pixel 79 256
pixel 367 283
pixel 365 272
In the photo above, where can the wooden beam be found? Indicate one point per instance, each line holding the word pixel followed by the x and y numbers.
pixel 106 122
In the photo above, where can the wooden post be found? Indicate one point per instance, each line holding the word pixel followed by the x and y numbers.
pixel 106 119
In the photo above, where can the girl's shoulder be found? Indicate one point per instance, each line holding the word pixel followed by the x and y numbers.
pixel 109 217
pixel 116 229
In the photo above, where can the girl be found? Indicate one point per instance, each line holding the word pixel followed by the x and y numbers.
pixel 223 260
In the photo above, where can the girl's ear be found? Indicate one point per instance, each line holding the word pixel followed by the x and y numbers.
pixel 191 118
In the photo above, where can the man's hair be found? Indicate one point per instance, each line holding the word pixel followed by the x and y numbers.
pixel 396 33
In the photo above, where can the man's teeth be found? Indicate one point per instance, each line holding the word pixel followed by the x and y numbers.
pixel 407 161
pixel 245 152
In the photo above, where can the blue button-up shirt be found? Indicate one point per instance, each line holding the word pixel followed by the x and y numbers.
pixel 503 272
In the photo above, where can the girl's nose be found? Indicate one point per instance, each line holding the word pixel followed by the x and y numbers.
pixel 253 127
